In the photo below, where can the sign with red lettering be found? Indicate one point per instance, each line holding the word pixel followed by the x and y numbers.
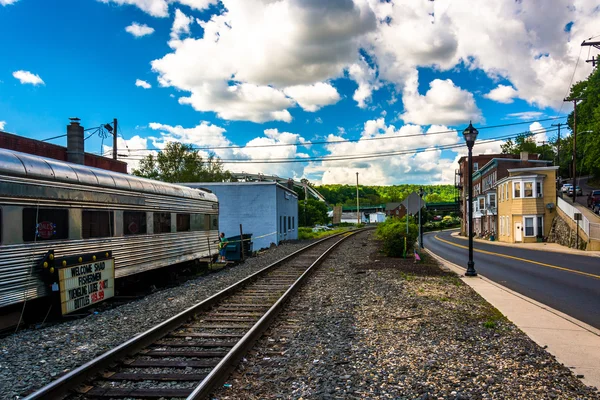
pixel 85 284
pixel 45 229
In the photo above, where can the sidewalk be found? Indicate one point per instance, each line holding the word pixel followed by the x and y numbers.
pixel 573 343
pixel 552 247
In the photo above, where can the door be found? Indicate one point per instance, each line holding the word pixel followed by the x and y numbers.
pixel 518 232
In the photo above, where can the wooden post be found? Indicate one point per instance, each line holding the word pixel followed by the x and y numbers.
pixel 242 242
pixel 209 254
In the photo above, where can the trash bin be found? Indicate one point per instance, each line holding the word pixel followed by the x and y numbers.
pixel 233 250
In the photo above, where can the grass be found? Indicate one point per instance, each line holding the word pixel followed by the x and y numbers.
pixel 489 324
pixel 407 277
pixel 305 233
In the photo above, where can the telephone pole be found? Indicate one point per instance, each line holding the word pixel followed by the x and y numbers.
pixel 114 139
pixel 558 145
pixel 595 44
pixel 357 202
pixel 574 100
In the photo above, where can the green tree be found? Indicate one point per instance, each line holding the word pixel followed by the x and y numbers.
pixel 179 162
pixel 316 213
pixel 588 119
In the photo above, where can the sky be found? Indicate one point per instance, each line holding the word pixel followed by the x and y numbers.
pixel 296 88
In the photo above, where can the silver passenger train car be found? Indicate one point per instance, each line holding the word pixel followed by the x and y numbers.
pixel 47 204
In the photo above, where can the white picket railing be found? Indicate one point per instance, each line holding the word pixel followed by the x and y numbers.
pixel 591 229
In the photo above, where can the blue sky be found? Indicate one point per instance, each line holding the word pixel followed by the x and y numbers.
pixel 256 72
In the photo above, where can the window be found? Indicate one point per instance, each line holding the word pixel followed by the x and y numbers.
pixel 183 222
pixel 540 226
pixel 199 222
pixel 284 225
pixel 529 226
pixel 501 226
pixel 96 224
pixel 45 224
pixel 214 225
pixel 289 222
pixel 162 222
pixel 293 223
pixel 528 192
pixel 134 222
pixel 506 190
pixel 492 200
pixel 501 190
pixel 481 203
pixel 517 187
pixel 280 224
pixel 538 189
pixel 475 166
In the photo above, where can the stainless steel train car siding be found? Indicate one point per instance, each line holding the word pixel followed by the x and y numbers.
pixel 188 219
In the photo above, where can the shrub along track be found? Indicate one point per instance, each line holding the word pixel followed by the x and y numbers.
pixel 195 350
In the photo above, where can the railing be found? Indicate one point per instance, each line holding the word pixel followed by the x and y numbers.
pixel 591 229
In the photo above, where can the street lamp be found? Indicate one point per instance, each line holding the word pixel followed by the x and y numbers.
pixel 470 135
pixel 421 192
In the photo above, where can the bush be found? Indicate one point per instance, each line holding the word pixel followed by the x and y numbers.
pixel 392 232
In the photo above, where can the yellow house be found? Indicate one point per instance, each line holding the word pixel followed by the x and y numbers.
pixel 526 204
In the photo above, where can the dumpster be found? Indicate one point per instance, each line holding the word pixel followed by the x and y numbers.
pixel 233 251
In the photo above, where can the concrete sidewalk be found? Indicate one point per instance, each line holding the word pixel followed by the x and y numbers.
pixel 574 343
pixel 553 247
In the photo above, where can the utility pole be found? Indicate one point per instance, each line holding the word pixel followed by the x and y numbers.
pixel 595 44
pixel 114 139
pixel 357 202
pixel 574 100
pixel 305 197
pixel 558 145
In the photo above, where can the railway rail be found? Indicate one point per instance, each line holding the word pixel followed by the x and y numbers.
pixel 190 354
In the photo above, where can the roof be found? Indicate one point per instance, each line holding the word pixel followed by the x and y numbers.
pixel 14 163
pixel 208 185
pixel 392 206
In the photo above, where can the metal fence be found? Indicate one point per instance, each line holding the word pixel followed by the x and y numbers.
pixel 591 229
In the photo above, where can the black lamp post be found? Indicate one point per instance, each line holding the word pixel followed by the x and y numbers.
pixel 421 192
pixel 470 135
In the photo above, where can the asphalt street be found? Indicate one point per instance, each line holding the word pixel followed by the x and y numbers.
pixel 566 282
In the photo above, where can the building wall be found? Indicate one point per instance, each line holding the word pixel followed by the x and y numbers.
pixel 257 206
pixel 515 209
pixel 36 147
pixel 287 214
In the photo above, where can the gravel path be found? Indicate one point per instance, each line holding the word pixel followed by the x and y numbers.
pixel 366 326
pixel 32 358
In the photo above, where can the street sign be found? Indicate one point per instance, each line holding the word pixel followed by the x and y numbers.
pixel 413 203
pixel 577 216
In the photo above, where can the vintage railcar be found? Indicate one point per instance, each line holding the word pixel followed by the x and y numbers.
pixel 72 209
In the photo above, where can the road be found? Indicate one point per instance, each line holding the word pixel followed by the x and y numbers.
pixel 568 283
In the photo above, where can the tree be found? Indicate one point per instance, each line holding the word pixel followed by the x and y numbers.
pixel 316 213
pixel 179 162
pixel 588 119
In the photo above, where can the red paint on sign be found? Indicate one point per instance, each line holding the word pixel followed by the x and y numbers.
pixel 45 229
pixel 133 228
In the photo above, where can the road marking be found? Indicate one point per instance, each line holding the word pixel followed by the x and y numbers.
pixel 520 259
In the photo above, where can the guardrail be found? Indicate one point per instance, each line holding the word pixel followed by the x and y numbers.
pixel 591 229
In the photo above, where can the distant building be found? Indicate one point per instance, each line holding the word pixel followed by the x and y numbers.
pixel 526 204
pixel 267 210
pixel 74 152
pixel 352 218
pixel 377 217
pixel 487 170
pixel 396 210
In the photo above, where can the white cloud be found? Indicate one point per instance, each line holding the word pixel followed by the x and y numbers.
pixel 444 103
pixel 2 125
pixel 540 134
pixel 525 115
pixel 138 30
pixel 318 120
pixel 267 46
pixel 8 2
pixel 313 97
pixel 142 84
pixel 138 146
pixel 27 77
pixel 366 78
pixel 502 94
pixel 159 8
pixel 181 26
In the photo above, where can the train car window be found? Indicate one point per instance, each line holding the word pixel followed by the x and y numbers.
pixel 183 222
pixel 97 224
pixel 199 222
pixel 215 222
pixel 162 222
pixel 45 224
pixel 134 222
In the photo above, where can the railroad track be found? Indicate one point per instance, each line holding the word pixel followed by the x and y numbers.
pixel 190 354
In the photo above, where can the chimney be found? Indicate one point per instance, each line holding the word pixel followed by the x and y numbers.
pixel 75 152
pixel 524 156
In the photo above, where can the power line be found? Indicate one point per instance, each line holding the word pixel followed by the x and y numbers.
pixel 354 140
pixel 373 155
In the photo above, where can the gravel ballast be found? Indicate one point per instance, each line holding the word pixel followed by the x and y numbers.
pixel 32 358
pixel 370 327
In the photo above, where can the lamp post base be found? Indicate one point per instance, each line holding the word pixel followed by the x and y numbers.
pixel 471 269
